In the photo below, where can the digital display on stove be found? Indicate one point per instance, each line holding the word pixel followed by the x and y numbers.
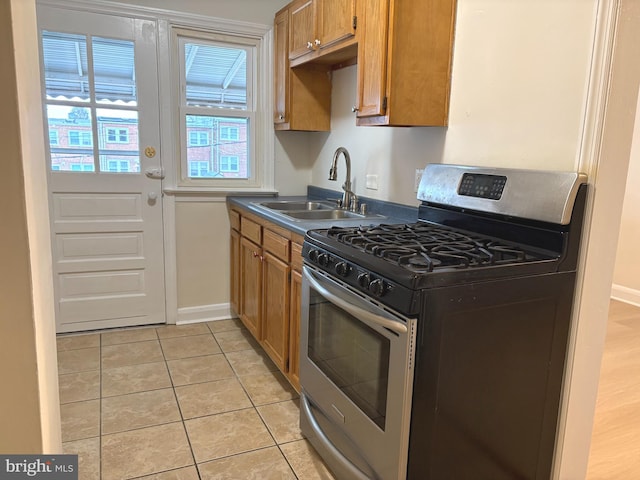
pixel 482 186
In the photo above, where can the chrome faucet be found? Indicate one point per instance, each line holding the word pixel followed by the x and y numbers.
pixel 349 199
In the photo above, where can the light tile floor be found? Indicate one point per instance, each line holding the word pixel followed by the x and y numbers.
pixel 200 401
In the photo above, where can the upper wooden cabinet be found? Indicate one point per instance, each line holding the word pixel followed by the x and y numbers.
pixel 336 22
pixel 302 36
pixel 403 50
pixel 322 31
pixel 404 62
pixel 302 95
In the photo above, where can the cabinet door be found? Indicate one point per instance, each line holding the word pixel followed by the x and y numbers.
pixel 251 286
pixel 294 330
pixel 336 21
pixel 372 58
pixel 281 67
pixel 302 24
pixel 275 318
pixel 235 271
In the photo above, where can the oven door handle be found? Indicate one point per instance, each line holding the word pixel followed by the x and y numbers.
pixel 359 313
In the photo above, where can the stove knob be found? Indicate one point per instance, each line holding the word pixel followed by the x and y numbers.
pixel 363 280
pixel 313 255
pixel 377 288
pixel 323 259
pixel 343 269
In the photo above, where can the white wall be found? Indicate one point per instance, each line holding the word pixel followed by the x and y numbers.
pixel 626 275
pixel 519 80
pixel 30 413
pixel 253 11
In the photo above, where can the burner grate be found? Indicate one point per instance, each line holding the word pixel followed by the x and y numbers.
pixel 422 247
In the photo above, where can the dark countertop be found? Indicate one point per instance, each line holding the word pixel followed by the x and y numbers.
pixel 386 212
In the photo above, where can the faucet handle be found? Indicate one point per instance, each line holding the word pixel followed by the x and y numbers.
pixel 353 202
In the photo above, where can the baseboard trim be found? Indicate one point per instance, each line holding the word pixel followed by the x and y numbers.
pixel 625 294
pixel 204 313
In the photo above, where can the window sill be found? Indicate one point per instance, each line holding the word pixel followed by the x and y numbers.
pixel 216 192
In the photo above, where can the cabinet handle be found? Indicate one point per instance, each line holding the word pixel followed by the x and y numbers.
pixel 317 42
pixel 280 117
pixel 257 255
pixel 310 45
pixel 354 109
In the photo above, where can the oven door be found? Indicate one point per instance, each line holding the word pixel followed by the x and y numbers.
pixel 356 376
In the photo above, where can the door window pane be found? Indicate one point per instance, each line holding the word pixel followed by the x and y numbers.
pixel 114 71
pixel 225 157
pixel 66 72
pixel 70 138
pixel 74 140
pixel 119 140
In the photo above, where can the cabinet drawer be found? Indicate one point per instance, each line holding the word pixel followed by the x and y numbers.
pixel 251 230
pixel 234 220
pixel 296 256
pixel 276 244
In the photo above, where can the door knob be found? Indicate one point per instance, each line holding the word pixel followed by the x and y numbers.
pixel 152 196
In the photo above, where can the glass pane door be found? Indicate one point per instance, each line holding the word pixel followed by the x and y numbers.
pixel 92 105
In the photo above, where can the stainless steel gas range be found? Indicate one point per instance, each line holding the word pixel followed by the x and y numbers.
pixel 436 349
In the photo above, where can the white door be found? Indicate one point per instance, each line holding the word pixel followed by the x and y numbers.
pixel 101 100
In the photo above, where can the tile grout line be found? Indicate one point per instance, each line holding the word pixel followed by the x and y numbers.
pixel 235 375
pixel 175 396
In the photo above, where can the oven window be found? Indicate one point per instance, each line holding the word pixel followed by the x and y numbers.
pixel 354 356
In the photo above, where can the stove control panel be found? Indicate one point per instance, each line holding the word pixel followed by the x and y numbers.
pixel 357 277
pixel 482 186
pixel 367 282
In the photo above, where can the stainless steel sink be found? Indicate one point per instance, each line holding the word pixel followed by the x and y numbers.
pixel 323 214
pixel 284 205
pixel 300 210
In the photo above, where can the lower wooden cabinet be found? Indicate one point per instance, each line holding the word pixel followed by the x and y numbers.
pixel 234 252
pixel 266 280
pixel 294 329
pixel 251 286
pixel 275 310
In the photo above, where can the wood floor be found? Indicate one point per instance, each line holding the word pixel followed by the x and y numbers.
pixel 615 445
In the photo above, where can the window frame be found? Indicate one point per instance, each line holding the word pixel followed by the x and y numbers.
pixel 260 129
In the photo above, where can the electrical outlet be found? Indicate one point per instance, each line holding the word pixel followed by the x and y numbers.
pixel 372 182
pixel 417 179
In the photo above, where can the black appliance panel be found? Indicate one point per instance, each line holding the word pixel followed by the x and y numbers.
pixel 487 385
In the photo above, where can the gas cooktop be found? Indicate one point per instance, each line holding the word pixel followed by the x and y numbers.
pixel 422 247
